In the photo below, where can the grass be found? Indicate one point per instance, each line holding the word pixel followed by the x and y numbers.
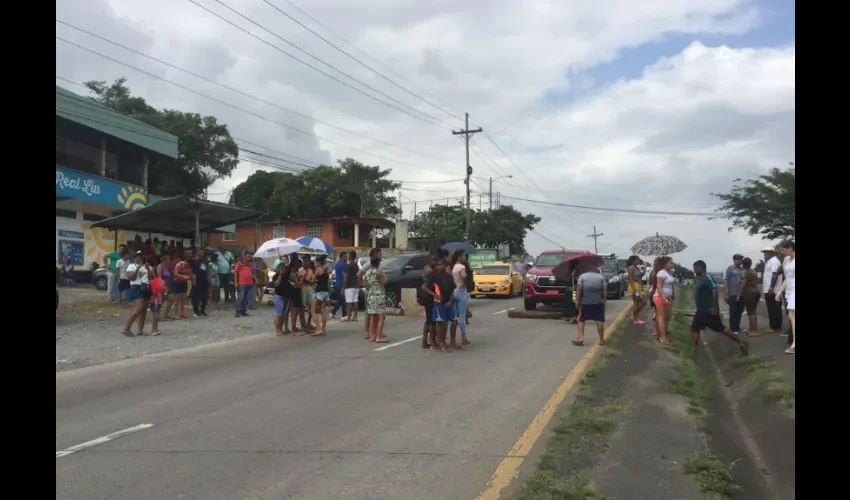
pixel 713 474
pixel 585 430
pixel 761 370
pixel 689 382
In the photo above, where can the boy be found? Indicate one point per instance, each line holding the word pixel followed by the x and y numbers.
pixel 708 310
pixel 441 290
pixel 426 300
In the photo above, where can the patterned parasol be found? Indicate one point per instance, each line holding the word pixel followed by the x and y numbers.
pixel 659 244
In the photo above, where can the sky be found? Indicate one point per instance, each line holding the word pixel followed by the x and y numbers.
pixel 617 104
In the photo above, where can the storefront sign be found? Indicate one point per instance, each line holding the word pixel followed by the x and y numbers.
pixel 74 184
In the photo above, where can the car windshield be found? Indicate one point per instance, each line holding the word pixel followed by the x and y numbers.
pixel 494 270
pixel 550 259
pixel 609 267
pixel 394 263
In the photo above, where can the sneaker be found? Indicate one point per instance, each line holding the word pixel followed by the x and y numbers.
pixel 790 350
pixel 639 322
pixel 237 315
pixel 783 334
pixel 736 333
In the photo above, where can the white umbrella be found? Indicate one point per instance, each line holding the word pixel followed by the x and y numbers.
pixel 278 247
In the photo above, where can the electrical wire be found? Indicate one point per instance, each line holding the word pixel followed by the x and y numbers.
pixel 233 106
pixel 246 94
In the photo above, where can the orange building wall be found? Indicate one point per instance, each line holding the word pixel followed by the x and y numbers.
pixel 330 235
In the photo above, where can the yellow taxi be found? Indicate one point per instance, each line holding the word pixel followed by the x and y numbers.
pixel 499 280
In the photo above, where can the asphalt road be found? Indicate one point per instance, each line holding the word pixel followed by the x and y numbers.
pixel 311 418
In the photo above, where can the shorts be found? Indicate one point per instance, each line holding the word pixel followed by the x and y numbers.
pixel 180 287
pixel 352 295
pixel 751 302
pixel 443 313
pixel 634 289
pixel 307 297
pixel 123 285
pixel 214 281
pixel 658 301
pixel 707 319
pixel 429 313
pixel 281 305
pixel 322 296
pixel 592 312
pixel 136 292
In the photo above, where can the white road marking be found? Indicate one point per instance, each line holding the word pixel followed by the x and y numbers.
pixel 396 344
pixel 101 440
pixel 504 310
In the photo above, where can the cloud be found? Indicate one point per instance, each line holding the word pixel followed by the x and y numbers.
pixel 687 125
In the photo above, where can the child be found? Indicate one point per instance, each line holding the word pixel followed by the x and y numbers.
pixel 426 300
pixel 441 290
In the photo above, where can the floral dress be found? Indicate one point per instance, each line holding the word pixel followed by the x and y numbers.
pixel 376 300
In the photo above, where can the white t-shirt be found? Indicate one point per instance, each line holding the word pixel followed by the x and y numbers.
pixel 141 277
pixel 770 269
pixel 457 277
pixel 790 269
pixel 121 267
pixel 669 281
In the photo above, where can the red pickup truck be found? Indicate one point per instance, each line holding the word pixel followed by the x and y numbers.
pixel 540 287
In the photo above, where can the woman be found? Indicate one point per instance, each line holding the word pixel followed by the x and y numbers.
pixel 261 271
pixel 321 296
pixel 461 295
pixel 282 290
pixel 163 270
pixel 789 268
pixel 663 299
pixel 215 282
pixel 308 288
pixel 296 311
pixel 376 299
pixel 182 276
pixel 749 294
pixel 635 289
pixel 139 294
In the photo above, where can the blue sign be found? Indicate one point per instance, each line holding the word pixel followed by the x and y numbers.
pixel 73 249
pixel 70 234
pixel 74 184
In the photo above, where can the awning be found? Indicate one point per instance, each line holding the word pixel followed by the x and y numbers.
pixel 179 216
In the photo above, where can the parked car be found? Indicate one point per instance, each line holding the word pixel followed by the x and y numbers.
pixel 540 286
pixel 499 280
pixel 99 278
pixel 616 277
pixel 402 271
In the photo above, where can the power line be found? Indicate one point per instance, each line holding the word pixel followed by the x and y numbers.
pixel 439 122
pixel 233 106
pixel 245 94
pixel 623 210
pixel 275 7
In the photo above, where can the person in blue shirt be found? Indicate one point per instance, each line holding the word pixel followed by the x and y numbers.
pixel 339 273
pixel 225 276
pixel 708 310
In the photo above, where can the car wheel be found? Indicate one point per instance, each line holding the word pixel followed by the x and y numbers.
pixel 100 283
pixel 510 292
pixel 530 305
pixel 392 298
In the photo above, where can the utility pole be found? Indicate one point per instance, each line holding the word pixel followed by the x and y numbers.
pixel 400 206
pixel 466 133
pixel 491 194
pixel 595 237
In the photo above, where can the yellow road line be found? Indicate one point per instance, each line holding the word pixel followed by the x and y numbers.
pixel 507 469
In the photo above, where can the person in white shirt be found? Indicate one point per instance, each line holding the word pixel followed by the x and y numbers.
pixel 663 299
pixel 140 275
pixel 771 282
pixel 789 269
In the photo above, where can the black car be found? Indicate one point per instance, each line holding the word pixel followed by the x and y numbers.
pixel 616 278
pixel 402 271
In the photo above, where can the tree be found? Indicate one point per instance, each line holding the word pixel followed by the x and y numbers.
pixel 349 189
pixel 504 225
pixel 764 205
pixel 683 272
pixel 207 152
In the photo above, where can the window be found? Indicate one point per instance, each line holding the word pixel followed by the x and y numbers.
pixel 418 262
pixel 229 237
pixel 93 217
pixel 279 232
pixel 314 231
pixel 68 214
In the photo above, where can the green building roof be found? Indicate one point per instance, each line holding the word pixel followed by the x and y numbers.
pixel 91 114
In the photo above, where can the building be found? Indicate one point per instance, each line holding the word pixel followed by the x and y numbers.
pixel 348 233
pixel 103 162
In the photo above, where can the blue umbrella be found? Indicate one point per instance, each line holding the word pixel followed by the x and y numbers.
pixel 454 246
pixel 315 244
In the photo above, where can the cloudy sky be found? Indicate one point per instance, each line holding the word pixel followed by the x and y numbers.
pixel 616 104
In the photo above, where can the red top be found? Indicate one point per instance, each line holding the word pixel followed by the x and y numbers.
pixel 244 274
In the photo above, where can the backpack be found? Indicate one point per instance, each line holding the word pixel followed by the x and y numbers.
pixel 470 279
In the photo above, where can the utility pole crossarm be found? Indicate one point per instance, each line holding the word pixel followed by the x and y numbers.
pixel 595 237
pixel 466 133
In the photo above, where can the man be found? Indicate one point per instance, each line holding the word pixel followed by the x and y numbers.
pixel 244 274
pixel 200 284
pixel 339 277
pixel 351 286
pixel 708 310
pixel 771 283
pixel 121 271
pixel 732 280
pixel 110 260
pixel 591 297
pixel 224 274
